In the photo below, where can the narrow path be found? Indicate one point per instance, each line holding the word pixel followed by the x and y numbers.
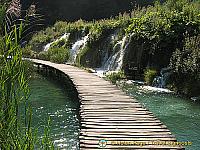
pixel 110 116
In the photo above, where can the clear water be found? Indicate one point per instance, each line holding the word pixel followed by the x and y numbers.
pixel 181 116
pixel 50 98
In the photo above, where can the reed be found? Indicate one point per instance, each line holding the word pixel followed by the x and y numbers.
pixel 16 131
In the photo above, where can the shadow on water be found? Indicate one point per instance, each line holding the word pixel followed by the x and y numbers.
pixel 54 95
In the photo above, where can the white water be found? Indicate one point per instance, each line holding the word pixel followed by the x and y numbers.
pixel 115 61
pixel 154 89
pixel 77 46
pixel 64 37
pixel 161 81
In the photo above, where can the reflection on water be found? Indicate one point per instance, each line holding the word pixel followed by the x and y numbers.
pixel 49 98
pixel 182 116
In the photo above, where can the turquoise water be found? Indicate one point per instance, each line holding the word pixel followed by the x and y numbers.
pixel 50 98
pixel 181 116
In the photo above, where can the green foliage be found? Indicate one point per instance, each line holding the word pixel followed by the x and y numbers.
pixel 39 40
pixel 97 30
pixel 158 32
pixel 43 55
pixel 58 52
pixel 14 92
pixel 16 132
pixel 149 75
pixel 28 53
pixel 162 28
pixel 115 76
pixel 46 143
pixel 187 60
pixel 2 15
pixel 57 55
pixel 186 66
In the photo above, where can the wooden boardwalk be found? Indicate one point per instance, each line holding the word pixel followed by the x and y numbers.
pixel 110 116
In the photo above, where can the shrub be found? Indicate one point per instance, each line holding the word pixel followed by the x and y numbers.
pixel 28 53
pixel 115 76
pixel 39 40
pixel 58 55
pixel 149 75
pixel 186 66
pixel 43 55
pixel 162 28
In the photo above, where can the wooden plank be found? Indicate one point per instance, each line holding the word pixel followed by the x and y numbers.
pixel 107 112
pixel 95 146
pixel 123 123
pixel 126 130
pixel 120 121
pixel 140 134
pixel 122 127
pixel 114 110
pixel 86 138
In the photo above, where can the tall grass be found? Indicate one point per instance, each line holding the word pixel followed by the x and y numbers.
pixel 16 132
pixel 14 91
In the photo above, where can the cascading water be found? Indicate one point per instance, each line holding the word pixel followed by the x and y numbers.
pixel 64 37
pixel 115 61
pixel 77 46
pixel 161 81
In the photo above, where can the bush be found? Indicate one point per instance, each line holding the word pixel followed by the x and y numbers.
pixel 39 40
pixel 115 76
pixel 28 53
pixel 186 66
pixel 43 55
pixel 162 29
pixel 149 76
pixel 58 55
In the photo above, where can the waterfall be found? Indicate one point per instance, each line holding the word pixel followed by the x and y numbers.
pixel 113 62
pixel 77 46
pixel 64 37
pixel 161 81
